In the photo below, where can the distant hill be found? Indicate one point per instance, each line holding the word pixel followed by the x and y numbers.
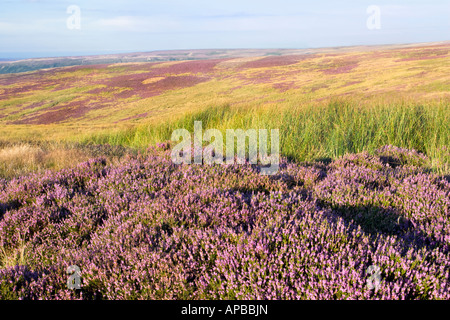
pixel 26 65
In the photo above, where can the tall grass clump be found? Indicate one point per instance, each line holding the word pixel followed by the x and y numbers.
pixel 10 257
pixel 339 128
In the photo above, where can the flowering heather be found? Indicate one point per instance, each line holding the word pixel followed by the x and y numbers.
pixel 149 229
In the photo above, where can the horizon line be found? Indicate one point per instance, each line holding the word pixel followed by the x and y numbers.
pixel 78 55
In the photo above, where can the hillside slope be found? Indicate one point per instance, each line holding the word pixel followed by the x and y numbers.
pixel 62 102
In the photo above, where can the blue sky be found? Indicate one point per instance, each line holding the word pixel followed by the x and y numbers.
pixel 38 28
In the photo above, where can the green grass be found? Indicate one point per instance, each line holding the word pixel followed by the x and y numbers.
pixel 315 132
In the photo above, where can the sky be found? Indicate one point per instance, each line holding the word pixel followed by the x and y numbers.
pixel 47 28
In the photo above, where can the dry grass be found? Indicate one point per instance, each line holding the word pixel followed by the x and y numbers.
pixel 14 256
pixel 24 158
pixel 18 159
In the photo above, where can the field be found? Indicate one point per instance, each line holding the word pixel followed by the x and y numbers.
pixel 87 179
pixel 371 98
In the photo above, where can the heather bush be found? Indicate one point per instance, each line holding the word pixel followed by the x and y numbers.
pixel 145 228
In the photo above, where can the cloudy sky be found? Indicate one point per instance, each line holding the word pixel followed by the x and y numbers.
pixel 39 28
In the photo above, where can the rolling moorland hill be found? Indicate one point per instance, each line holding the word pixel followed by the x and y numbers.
pixel 60 102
